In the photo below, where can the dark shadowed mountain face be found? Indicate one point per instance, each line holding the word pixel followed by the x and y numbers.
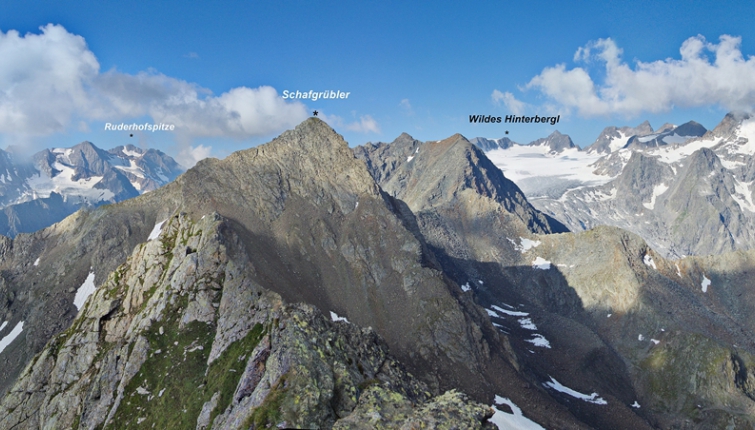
pixel 284 286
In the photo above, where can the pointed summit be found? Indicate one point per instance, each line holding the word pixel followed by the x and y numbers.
pixel 729 124
pixel 441 172
pixel 556 141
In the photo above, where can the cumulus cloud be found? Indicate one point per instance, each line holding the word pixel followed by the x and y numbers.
pixel 406 107
pixel 189 155
pixel 707 74
pixel 365 124
pixel 512 104
pixel 50 82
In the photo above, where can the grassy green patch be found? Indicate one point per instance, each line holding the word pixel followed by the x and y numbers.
pixel 172 378
pixel 269 413
pixel 224 373
pixel 178 371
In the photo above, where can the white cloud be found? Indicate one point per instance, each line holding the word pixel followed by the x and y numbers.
pixel 406 107
pixel 189 155
pixel 43 80
pixel 51 82
pixel 366 123
pixel 726 80
pixel 512 104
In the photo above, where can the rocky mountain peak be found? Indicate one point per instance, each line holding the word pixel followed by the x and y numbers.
pixel 644 128
pixel 556 141
pixel 438 174
pixel 729 124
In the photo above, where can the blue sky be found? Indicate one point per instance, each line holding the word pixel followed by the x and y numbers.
pixel 217 69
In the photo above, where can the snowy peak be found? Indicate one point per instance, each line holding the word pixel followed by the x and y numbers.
pixel 556 141
pixel 56 182
pixel 668 135
pixel 613 138
pixel 145 170
pixel 728 126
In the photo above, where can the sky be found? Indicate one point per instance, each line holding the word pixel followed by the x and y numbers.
pixel 217 71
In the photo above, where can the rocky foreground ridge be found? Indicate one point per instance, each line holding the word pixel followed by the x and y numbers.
pixel 180 336
pixel 294 284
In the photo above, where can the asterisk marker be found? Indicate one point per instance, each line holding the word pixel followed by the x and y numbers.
pixel 314 113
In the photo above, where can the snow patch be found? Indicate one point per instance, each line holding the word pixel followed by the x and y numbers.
pixel 85 290
pixel 410 158
pixel 678 271
pixel 520 162
pixel 657 191
pixel 10 337
pixel 155 233
pixel 525 244
pixel 655 341
pixel 511 421
pixel 63 183
pixel 640 337
pixel 36 262
pixel 592 398
pixel 743 195
pixel 619 142
pixel 2 326
pixel 648 260
pixel 508 312
pixel 527 324
pixel 541 263
pixel 466 287
pixel 334 316
pixel 131 153
pixel 539 340
pixel 705 284
pixel 636 405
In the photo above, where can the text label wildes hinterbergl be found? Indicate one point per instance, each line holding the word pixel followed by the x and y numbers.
pixel 537 119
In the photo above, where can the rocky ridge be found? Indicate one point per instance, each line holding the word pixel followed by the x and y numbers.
pixel 180 336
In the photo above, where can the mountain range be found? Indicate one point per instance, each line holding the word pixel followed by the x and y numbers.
pixel 685 190
pixel 304 283
pixel 54 183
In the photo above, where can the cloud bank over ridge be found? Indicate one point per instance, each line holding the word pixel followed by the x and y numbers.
pixel 52 81
pixel 707 74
